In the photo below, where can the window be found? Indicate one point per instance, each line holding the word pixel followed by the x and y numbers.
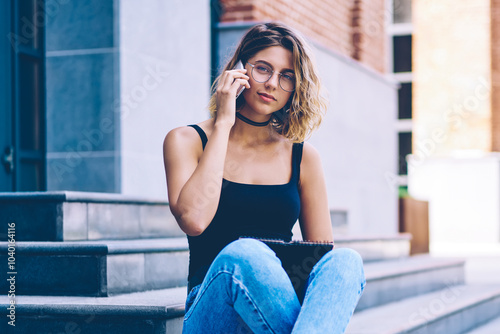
pixel 404 143
pixel 404 101
pixel 402 53
pixel 401 11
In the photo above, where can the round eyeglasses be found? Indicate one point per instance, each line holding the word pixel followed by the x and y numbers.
pixel 262 73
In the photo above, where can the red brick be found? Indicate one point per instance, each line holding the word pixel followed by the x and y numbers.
pixel 335 24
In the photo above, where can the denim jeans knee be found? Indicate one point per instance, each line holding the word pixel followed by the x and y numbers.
pixel 247 252
pixel 345 262
pixel 243 247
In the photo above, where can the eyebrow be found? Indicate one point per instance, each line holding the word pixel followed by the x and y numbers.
pixel 267 63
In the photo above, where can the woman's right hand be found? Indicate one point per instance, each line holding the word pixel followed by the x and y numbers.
pixel 225 97
pixel 192 173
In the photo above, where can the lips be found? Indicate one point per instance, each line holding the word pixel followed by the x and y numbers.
pixel 267 95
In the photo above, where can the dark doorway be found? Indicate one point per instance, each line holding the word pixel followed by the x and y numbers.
pixel 22 96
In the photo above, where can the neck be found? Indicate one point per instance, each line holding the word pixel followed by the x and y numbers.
pixel 253 123
pixel 246 132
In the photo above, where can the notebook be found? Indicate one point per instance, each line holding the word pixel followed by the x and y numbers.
pixel 297 258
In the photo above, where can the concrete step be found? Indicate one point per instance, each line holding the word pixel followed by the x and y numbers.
pixel 67 215
pixel 491 327
pixel 452 310
pixel 99 268
pixel 390 281
pixel 150 312
pixel 107 267
pixel 86 216
pixel 455 309
pixel 377 248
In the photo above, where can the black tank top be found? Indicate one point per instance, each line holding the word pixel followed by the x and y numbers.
pixel 268 211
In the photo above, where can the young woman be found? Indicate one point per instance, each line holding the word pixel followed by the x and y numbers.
pixel 251 174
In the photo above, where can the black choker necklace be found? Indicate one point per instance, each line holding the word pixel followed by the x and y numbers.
pixel 249 121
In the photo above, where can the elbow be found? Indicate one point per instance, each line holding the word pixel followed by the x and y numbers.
pixel 194 232
pixel 190 224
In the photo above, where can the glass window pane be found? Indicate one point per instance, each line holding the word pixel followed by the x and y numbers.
pixel 402 11
pixel 31 19
pixel 404 143
pixel 405 101
pixel 402 53
pixel 31 179
pixel 30 103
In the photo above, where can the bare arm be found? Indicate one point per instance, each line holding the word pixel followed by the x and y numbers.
pixel 194 186
pixel 315 222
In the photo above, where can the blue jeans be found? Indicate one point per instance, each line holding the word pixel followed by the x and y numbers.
pixel 246 290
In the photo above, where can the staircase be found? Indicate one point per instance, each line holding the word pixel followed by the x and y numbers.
pixel 103 263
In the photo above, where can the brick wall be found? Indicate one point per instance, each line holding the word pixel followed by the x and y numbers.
pixel 495 75
pixel 354 28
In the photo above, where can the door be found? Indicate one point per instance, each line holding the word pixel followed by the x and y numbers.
pixel 22 96
pixel 6 170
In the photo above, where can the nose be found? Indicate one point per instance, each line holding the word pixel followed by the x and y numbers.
pixel 273 80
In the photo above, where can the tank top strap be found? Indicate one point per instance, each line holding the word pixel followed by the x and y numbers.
pixel 202 134
pixel 296 151
pixel 296 159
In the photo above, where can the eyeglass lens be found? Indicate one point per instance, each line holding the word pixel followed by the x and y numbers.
pixel 262 73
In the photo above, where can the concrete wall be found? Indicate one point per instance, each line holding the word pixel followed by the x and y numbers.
pixel 357 139
pixel 164 81
pixel 81 70
pixel 358 144
pixel 120 75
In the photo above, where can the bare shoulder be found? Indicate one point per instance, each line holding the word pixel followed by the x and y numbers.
pixel 310 166
pixel 184 138
pixel 184 135
pixel 310 155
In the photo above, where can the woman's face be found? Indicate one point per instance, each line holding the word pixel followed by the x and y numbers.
pixel 267 97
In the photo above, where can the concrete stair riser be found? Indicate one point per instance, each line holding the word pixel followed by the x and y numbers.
pixel 491 327
pixel 70 216
pixel 106 267
pixel 58 270
pixel 146 271
pixel 377 249
pixel 80 216
pixel 94 270
pixel 464 319
pixel 83 320
pixel 159 311
pixel 388 288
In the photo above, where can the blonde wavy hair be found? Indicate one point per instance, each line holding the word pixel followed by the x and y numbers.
pixel 305 109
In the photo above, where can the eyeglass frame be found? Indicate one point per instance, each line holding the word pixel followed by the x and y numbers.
pixel 272 73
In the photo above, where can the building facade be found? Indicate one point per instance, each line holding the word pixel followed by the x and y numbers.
pixel 455 163
pixel 109 78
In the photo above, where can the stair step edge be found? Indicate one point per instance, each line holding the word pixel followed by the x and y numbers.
pixel 165 303
pixel 382 270
pixel 467 297
pixel 99 247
